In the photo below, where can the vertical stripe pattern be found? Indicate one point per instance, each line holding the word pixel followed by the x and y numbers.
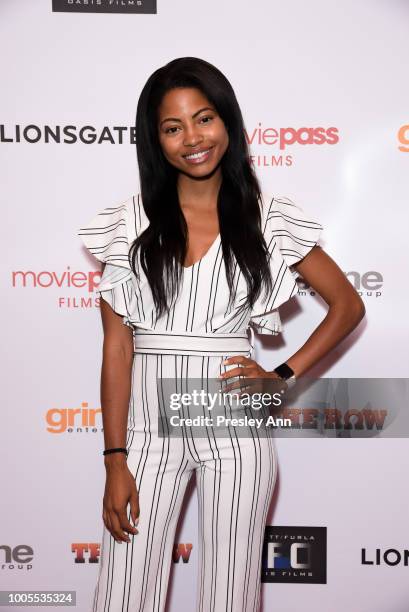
pixel 235 476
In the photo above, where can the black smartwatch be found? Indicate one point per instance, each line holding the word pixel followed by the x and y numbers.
pixel 286 373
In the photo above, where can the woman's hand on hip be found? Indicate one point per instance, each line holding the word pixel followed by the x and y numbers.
pixel 249 369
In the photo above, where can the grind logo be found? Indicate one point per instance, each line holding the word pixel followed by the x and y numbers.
pixel 403 138
pixel 104 6
pixel 294 555
pixel 73 420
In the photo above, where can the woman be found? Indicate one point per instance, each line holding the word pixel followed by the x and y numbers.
pixel 192 262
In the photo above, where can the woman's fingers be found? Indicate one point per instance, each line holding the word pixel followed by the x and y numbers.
pixel 245 385
pixel 134 504
pixel 105 518
pixel 117 532
pixel 120 489
pixel 238 371
pixel 112 523
pixel 107 521
pixel 124 522
pixel 239 359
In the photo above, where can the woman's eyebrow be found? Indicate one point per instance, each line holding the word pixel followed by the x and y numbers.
pixel 193 116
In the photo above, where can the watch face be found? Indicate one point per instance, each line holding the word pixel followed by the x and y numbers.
pixel 284 371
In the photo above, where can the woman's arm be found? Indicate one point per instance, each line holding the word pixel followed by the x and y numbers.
pixel 346 308
pixel 115 381
pixel 116 376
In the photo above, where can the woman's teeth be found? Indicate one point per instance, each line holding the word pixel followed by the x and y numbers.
pixel 197 155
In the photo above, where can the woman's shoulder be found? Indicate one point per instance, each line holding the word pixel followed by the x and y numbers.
pixel 128 213
pixel 271 202
pixel 287 225
pixel 112 230
pixel 281 213
pixel 135 215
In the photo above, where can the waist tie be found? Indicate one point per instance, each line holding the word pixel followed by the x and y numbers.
pixel 192 343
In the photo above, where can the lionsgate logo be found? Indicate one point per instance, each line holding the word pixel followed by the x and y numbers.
pixel 104 6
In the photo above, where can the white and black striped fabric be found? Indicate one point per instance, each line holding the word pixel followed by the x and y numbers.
pixel 201 306
pixel 235 475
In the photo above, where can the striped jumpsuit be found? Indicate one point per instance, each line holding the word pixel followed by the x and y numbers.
pixel 235 476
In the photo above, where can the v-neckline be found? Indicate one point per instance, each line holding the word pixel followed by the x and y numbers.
pixel 215 241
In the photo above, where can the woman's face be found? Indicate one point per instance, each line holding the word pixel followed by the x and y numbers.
pixel 188 123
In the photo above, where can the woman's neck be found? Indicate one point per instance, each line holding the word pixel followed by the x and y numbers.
pixel 199 194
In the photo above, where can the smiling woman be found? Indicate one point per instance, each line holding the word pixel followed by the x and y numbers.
pixel 194 139
pixel 195 260
pixel 191 139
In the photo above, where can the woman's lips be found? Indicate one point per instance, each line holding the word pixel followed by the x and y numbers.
pixel 199 158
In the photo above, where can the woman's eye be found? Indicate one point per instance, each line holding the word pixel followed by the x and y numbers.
pixel 173 129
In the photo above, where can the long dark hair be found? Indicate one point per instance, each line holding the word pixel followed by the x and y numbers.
pixel 163 244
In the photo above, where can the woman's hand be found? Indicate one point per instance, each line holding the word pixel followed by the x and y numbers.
pixel 120 488
pixel 249 369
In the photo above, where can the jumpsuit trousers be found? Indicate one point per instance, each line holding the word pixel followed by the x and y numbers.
pixel 235 478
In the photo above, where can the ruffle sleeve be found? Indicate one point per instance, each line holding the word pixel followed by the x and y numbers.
pixel 108 237
pixel 290 235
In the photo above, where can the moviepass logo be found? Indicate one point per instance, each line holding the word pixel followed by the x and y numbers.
pixel 284 137
pixel 50 278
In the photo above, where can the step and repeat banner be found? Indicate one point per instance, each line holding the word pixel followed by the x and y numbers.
pixel 324 95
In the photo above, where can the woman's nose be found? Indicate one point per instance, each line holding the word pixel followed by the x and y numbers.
pixel 192 138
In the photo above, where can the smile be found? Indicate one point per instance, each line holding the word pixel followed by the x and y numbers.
pixel 200 156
